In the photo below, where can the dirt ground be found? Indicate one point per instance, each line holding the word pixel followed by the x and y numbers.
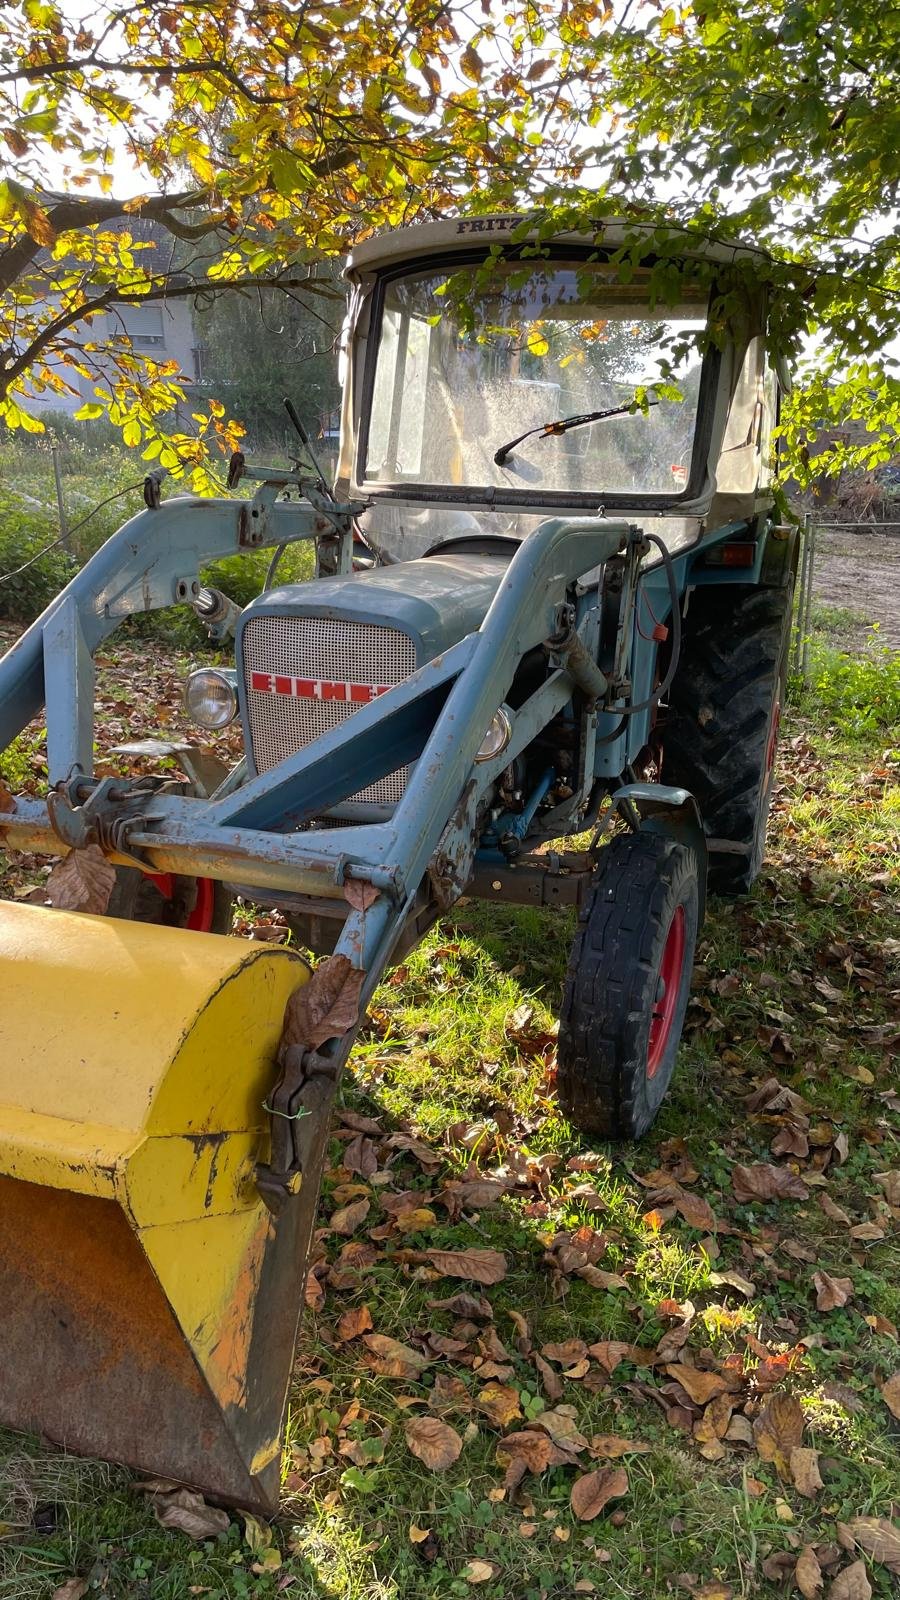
pixel 859 572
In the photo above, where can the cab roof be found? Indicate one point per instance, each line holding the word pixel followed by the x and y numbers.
pixel 463 232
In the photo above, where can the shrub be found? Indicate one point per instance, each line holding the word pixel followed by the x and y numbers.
pixel 22 534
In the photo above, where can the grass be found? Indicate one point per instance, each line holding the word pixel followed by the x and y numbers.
pixel 798 981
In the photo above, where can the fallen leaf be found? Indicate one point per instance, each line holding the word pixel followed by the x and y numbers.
pixel 480 1266
pixel 808 1573
pixel 594 1490
pixel 500 1404
pixel 324 1008
pixel 804 1466
pixel 82 881
pixel 851 1584
pixel 701 1386
pixel 609 1446
pixel 866 1233
pixel 734 1280
pixel 354 1322
pixel 831 1293
pixel 478 1571
pixel 359 893
pixel 360 1156
pixel 528 1446
pixel 398 1360
pixel 695 1211
pixel 348 1218
pixel 8 803
pixel 73 1588
pixel 562 1429
pixel 715 1589
pixel 610 1352
pixel 188 1513
pixel 767 1182
pixel 833 1211
pixel 879 1538
pixel 890 1184
pixel 418 1535
pixel 890 1394
pixel 566 1353
pixel 778 1430
pixel 433 1442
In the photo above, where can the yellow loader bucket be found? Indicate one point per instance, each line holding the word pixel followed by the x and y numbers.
pixel 148 1300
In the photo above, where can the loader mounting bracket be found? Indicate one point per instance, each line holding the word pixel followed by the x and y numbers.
pixel 298 1109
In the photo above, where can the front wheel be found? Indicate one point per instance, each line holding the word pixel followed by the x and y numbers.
pixel 174 901
pixel 627 985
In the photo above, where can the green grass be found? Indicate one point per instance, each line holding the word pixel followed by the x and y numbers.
pixel 798 980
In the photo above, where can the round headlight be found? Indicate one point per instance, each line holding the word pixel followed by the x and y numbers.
pixel 497 737
pixel 210 697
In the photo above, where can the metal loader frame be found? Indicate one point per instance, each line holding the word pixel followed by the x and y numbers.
pixel 385 879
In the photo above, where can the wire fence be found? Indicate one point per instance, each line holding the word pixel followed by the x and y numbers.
pixel 849 585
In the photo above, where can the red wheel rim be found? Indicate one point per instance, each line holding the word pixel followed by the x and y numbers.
pixel 773 739
pixel 201 918
pixel 671 968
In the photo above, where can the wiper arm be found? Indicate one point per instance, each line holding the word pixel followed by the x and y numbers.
pixel 545 429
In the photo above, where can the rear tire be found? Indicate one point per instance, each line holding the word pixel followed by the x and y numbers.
pixel 724 711
pixel 200 904
pixel 628 985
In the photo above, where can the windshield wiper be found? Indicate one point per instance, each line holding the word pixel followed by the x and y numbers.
pixel 546 429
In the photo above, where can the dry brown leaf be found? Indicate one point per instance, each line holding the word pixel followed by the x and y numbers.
pixel 360 1156
pixel 479 1266
pixel 866 1233
pixel 890 1184
pixel 82 881
pixel 701 1386
pixel 594 1490
pixel 348 1218
pixel 529 1446
pixel 353 1323
pixel 831 1293
pixel 433 1442
pixel 551 1383
pixel 890 1394
pixel 324 1008
pixel 609 1446
pixel 778 1430
pixel 734 1280
pixel 767 1182
pixel 833 1211
pixel 804 1465
pixel 188 1513
pixel 359 893
pixel 565 1353
pixel 851 1584
pixel 609 1353
pixel 500 1403
pixel 562 1430
pixel 715 1589
pixel 879 1538
pixel 808 1573
pixel 478 1571
pixel 397 1360
pixel 8 803
pixel 418 1535
pixel 696 1212
pixel 73 1588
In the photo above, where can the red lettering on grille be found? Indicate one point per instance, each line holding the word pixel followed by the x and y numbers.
pixel 358 694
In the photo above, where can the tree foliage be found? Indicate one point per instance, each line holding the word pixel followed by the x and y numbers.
pixel 265 136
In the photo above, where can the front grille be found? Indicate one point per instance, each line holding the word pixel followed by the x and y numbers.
pixel 327 648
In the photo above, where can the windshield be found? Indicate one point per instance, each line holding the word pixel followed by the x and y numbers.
pixel 467 362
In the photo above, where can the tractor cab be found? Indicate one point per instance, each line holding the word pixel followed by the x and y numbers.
pixel 492 382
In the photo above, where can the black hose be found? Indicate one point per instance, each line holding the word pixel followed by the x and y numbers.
pixel 662 688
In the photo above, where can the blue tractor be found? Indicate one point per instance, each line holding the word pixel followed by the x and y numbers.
pixel 552 603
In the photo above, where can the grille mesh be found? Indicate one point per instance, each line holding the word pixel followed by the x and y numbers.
pixel 332 648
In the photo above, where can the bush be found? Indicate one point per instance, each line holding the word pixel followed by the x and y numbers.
pixel 22 535
pixel 861 693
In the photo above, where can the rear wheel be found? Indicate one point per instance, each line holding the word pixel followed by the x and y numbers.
pixel 628 985
pixel 200 904
pixel 722 730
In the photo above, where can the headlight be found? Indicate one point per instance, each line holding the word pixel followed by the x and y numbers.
pixel 210 697
pixel 497 737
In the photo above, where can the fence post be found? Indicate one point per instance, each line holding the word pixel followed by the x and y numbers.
pixel 60 503
pixel 810 563
pixel 801 593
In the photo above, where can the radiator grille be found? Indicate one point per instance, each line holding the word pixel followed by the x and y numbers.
pixel 330 648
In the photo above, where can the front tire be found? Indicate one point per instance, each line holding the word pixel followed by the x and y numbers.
pixel 628 985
